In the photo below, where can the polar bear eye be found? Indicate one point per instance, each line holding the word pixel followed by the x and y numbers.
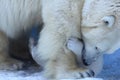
pixel 108 20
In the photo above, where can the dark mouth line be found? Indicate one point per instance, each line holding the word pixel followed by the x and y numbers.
pixel 83 54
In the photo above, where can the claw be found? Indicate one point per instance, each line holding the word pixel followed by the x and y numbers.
pixel 93 73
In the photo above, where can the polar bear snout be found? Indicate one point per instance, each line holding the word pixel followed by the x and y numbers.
pixel 89 55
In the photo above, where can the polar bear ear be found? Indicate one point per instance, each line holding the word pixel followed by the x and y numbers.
pixel 109 21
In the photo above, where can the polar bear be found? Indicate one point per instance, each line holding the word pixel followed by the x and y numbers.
pixel 61 18
pixel 100 27
pixel 15 19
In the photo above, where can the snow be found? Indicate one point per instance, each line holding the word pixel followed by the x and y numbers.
pixel 111 71
pixel 22 75
pixel 85 79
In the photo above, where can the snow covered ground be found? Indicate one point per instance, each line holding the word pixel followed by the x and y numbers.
pixel 111 71
pixel 21 75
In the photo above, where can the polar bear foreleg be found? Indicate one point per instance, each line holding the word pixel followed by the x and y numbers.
pixel 58 62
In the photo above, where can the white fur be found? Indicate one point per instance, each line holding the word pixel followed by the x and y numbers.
pixel 61 18
pixel 95 33
pixel 16 16
pixel 100 37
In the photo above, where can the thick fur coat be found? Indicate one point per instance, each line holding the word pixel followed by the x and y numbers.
pixel 62 20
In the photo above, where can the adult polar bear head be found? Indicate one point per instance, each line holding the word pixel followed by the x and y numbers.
pixel 101 26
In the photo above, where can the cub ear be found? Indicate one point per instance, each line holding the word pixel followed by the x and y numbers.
pixel 109 21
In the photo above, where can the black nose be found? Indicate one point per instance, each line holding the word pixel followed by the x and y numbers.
pixel 85 62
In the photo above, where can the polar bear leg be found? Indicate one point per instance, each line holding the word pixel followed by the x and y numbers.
pixel 64 67
pixel 58 62
pixel 6 62
pixel 61 21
